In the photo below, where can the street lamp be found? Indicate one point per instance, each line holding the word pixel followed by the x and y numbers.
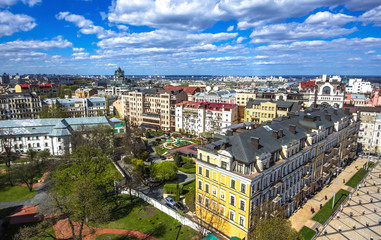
pixel 337 177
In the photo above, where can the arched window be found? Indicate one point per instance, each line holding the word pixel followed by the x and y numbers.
pixel 326 90
pixel 200 155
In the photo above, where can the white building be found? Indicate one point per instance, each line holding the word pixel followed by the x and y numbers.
pixel 330 91
pixel 357 85
pixel 370 132
pixel 199 117
pixel 51 134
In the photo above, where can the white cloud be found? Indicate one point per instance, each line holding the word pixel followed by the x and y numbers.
pixel 122 27
pixel 240 39
pixel 372 16
pixel 31 3
pixel 7 3
pixel 230 28
pixel 32 45
pixel 319 25
pixel 80 55
pixel 78 49
pixel 11 23
pixel 86 26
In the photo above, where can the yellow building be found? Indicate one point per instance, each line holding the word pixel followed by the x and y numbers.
pixel 242 98
pixel 263 110
pixel 282 162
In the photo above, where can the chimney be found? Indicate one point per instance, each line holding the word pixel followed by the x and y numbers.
pixel 292 128
pixel 229 132
pixel 255 142
pixel 280 133
pixel 335 111
pixel 328 117
pixel 346 111
pixel 275 134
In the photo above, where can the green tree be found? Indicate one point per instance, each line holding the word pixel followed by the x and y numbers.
pixel 69 93
pixel 274 228
pixel 164 171
pixel 178 159
pixel 55 111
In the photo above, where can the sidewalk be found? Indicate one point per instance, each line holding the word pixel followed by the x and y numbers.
pixel 303 217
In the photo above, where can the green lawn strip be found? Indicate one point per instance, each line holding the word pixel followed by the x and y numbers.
pixel 160 150
pixel 115 237
pixel 198 142
pixel 327 210
pixel 187 170
pixel 3 177
pixel 10 193
pixel 356 179
pixel 307 233
pixel 159 225
pixel 189 186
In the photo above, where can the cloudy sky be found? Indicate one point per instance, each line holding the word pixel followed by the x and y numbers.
pixel 226 37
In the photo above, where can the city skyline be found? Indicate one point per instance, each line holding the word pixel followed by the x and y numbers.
pixel 191 37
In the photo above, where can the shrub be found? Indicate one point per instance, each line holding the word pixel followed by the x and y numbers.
pixel 170 188
pixel 190 200
pixel 164 171
pixel 127 160
pixel 178 159
pixel 188 165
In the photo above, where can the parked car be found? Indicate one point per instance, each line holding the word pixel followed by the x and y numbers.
pixel 162 157
pixel 170 202
pixel 180 207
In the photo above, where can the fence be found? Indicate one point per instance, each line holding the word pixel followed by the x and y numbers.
pixel 164 208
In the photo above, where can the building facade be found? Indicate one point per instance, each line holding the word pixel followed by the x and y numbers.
pixel 357 85
pixel 328 91
pixel 48 90
pixel 259 111
pixel 224 96
pixel 19 106
pixel 52 134
pixel 282 162
pixel 199 117
pixel 85 92
pixel 153 108
pixel 370 132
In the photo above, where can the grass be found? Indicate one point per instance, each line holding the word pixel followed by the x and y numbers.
pixel 115 237
pixel 10 193
pixel 3 177
pixel 198 142
pixel 356 179
pixel 160 150
pixel 159 225
pixel 307 233
pixel 191 185
pixel 187 170
pixel 327 210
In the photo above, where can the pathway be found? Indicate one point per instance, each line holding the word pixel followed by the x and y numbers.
pixel 303 217
pixel 346 222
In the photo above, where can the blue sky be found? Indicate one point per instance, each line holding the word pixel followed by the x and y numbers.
pixel 226 37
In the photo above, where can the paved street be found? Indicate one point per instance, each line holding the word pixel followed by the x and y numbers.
pixel 303 217
pixel 346 222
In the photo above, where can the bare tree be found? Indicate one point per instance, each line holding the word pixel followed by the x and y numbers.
pixel 7 147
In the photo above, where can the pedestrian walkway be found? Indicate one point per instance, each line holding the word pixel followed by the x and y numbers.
pixel 303 217
pixel 364 221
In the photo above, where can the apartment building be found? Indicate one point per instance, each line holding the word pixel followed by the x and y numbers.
pixel 19 106
pixel 259 111
pixel 242 97
pixel 199 117
pixel 152 108
pixel 52 134
pixel 189 90
pixel 85 92
pixel 357 85
pixel 223 96
pixel 370 129
pixel 48 90
pixel 79 107
pixel 282 162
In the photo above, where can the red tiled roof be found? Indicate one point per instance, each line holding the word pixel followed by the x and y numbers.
pixel 45 84
pixel 186 149
pixel 24 85
pixel 189 90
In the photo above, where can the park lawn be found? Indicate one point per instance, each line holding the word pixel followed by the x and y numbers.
pixel 160 150
pixel 160 225
pixel 198 142
pixel 307 233
pixel 115 237
pixel 327 210
pixel 10 193
pixel 191 185
pixel 356 179
pixel 187 170
pixel 3 177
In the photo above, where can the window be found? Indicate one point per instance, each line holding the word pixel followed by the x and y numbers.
pixel 199 184
pixel 206 202
pixel 232 200
pixel 242 204
pixel 222 210
pixel 207 173
pixel 232 184
pixel 243 188
pixel 214 205
pixel 214 191
pixel 59 139
pixel 207 187
pixel 200 199
pixel 241 220
pixel 231 215
pixel 46 144
pixel 222 195
pixel 207 158
pixel 200 170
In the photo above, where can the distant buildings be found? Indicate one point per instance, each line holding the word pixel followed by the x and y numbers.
pixel 357 85
pixel 199 117
pixel 259 111
pixel 4 79
pixel 52 134
pixel 307 85
pixel 282 162
pixel 223 96
pixel 48 90
pixel 19 106
pixel 85 92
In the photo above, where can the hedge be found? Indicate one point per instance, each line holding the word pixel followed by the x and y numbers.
pixel 171 188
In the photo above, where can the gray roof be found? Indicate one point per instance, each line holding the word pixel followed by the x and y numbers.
pixel 240 147
pixel 49 125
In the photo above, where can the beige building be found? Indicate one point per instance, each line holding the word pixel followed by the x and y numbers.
pixel 85 92
pixel 19 106
pixel 241 100
pixel 47 90
pixel 152 108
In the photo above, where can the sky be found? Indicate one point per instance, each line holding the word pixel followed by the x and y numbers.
pixel 191 37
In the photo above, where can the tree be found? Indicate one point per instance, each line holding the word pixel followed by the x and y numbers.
pixel 131 141
pixel 274 228
pixel 7 154
pixel 28 171
pixel 38 231
pixel 69 94
pixel 178 159
pixel 164 171
pixel 55 111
